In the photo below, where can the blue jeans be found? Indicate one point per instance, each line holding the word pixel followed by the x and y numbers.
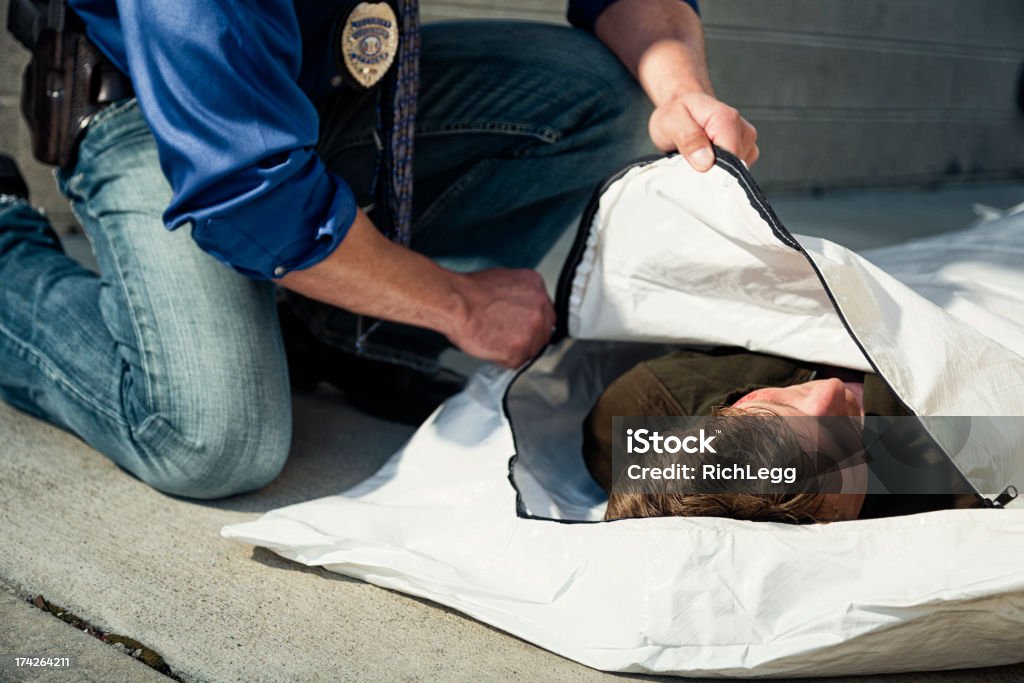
pixel 173 366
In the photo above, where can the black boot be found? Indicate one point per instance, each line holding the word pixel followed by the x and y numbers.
pixel 384 390
pixel 24 219
pixel 11 180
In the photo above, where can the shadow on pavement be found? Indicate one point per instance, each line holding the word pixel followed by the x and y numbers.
pixel 334 447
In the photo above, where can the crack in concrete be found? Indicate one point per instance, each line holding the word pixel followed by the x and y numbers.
pixel 132 647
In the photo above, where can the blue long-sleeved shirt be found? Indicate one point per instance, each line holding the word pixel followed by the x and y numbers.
pixel 227 89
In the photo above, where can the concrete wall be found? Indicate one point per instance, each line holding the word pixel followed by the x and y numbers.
pixel 874 92
pixel 856 93
pixel 865 93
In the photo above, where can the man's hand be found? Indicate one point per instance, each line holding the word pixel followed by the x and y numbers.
pixel 662 43
pixel 690 123
pixel 508 316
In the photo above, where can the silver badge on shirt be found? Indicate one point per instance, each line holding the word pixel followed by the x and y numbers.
pixel 369 42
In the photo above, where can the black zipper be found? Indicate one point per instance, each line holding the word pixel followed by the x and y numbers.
pixel 734 167
pixel 759 202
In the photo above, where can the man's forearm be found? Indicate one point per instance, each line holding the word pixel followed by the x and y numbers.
pixel 661 42
pixel 370 275
pixel 500 315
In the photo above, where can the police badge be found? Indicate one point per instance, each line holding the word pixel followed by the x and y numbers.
pixel 368 43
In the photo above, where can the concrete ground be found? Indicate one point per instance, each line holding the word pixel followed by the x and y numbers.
pixel 133 562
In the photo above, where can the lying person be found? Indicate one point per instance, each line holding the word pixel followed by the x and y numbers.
pixel 749 396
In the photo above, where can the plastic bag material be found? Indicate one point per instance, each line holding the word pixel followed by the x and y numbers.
pixel 489 508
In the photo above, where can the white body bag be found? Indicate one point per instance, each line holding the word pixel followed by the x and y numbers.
pixel 489 508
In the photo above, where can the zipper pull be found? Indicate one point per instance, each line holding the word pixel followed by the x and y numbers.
pixel 1006 497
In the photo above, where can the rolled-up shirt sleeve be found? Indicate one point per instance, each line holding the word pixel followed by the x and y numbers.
pixel 216 82
pixel 584 13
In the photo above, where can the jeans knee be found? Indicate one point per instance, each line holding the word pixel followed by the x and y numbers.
pixel 225 453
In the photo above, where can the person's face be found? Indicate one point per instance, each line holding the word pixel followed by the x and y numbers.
pixel 821 398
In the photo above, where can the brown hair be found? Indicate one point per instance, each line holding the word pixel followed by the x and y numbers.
pixel 763 437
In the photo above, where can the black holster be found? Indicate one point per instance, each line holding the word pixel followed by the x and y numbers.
pixel 67 81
